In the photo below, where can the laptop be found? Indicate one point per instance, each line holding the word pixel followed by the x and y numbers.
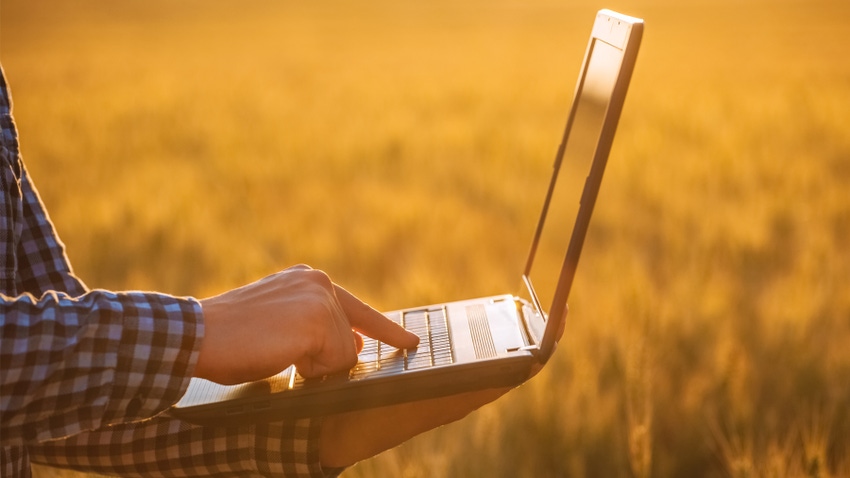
pixel 479 343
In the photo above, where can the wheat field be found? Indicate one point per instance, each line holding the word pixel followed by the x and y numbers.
pixel 403 147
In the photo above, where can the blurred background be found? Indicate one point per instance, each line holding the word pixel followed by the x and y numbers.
pixel 402 146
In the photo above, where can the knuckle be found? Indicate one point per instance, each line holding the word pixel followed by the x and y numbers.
pixel 319 278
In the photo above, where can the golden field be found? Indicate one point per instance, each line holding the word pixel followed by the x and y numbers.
pixel 403 147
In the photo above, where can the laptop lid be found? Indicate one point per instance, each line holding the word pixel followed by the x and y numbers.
pixel 578 169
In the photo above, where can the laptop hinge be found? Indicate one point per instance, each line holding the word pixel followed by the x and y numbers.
pixel 532 342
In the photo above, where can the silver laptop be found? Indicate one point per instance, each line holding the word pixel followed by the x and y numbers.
pixel 479 343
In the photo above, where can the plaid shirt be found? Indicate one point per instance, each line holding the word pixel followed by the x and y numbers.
pixel 87 375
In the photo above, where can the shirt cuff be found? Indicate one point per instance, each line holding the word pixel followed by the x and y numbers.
pixel 159 347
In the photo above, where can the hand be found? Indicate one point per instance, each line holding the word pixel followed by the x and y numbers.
pixel 350 437
pixel 297 316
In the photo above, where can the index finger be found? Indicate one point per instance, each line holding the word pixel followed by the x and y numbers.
pixel 369 321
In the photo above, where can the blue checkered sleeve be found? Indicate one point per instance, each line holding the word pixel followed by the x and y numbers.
pixel 166 447
pixel 72 364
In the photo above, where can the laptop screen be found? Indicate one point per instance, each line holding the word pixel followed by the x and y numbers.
pixel 592 103
pixel 555 251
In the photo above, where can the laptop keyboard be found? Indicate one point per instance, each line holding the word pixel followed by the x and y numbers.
pixel 434 348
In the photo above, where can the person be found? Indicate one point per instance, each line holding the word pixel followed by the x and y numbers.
pixel 88 376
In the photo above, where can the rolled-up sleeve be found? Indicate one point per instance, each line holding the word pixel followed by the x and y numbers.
pixel 72 364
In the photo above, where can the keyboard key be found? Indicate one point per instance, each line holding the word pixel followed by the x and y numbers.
pixel 435 348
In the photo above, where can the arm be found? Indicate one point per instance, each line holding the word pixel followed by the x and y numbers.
pixel 76 364
pixel 162 445
pixel 255 323
pixel 324 315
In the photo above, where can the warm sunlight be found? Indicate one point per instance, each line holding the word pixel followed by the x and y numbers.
pixel 404 147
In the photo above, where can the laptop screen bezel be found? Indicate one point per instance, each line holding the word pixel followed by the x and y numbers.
pixel 624 33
